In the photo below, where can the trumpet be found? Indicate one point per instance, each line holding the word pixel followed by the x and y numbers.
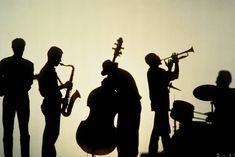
pixel 181 55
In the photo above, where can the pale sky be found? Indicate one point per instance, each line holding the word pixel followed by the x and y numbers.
pixel 86 31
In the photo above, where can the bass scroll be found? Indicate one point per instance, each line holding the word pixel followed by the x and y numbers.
pixel 67 104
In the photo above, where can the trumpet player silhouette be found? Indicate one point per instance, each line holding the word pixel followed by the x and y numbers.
pixel 17 76
pixel 51 105
pixel 158 82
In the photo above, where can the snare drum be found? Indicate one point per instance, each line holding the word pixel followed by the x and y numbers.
pixel 182 111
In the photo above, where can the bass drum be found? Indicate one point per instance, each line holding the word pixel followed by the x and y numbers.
pixel 195 140
pixel 97 134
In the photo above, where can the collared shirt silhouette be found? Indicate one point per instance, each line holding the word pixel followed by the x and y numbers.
pixel 129 108
pixel 17 74
pixel 158 82
pixel 51 106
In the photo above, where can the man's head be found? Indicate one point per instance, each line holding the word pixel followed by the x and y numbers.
pixel 54 55
pixel 108 67
pixel 152 59
pixel 18 46
pixel 224 78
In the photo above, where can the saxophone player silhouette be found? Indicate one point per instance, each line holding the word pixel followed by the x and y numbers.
pixel 51 105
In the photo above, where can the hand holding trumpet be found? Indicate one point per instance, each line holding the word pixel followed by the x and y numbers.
pixel 174 59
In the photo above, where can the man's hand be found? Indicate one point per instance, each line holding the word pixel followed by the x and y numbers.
pixel 68 85
pixel 169 64
pixel 174 57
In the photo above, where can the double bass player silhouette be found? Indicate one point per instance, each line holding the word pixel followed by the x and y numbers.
pixel 125 101
pixel 97 135
pixel 129 107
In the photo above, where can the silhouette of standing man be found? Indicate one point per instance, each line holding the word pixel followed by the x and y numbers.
pixel 129 108
pixel 158 81
pixel 51 106
pixel 17 74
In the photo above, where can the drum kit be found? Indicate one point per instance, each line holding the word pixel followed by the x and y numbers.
pixel 202 132
pixel 206 93
pixel 183 110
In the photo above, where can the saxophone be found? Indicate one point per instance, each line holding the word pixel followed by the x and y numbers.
pixel 67 104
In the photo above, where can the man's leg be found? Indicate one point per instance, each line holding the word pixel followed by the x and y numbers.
pixel 23 119
pixel 50 134
pixel 8 116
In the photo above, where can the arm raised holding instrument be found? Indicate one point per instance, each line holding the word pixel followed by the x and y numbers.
pixel 67 85
pixel 175 73
pixel 173 61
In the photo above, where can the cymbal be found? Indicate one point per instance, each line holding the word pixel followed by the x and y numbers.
pixel 205 92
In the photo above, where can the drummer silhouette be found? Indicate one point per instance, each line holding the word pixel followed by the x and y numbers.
pixel 222 117
pixel 224 101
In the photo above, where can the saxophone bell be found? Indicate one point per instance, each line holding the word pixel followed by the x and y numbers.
pixel 68 104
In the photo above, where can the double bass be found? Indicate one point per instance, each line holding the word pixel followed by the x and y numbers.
pixel 97 134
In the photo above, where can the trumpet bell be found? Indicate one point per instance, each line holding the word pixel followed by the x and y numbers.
pixel 190 50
